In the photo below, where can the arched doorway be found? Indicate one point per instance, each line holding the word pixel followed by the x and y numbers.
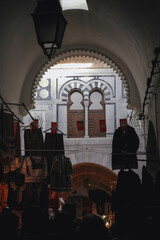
pixel 92 175
pixel 92 186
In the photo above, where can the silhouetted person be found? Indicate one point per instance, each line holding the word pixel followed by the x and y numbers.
pixel 33 223
pixel 61 227
pixel 92 226
pixel 8 225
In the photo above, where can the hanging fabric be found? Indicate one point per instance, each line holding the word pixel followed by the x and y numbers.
pixel 35 169
pixel 33 140
pixel 54 145
pixel 17 139
pixel 61 174
pixel 124 147
pixel 7 140
pixel 147 187
pixel 3 196
pixel 128 190
pixel 157 187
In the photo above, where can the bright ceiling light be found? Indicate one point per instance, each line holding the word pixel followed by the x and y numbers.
pixel 74 4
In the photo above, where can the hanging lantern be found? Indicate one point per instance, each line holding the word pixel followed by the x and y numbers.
pixel 50 25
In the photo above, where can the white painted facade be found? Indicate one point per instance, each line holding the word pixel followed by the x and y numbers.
pixel 51 106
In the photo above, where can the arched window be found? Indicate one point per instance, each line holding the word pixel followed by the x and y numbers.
pixel 96 114
pixel 76 116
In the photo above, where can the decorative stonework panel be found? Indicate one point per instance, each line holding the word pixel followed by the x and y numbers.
pixel 43 91
pixel 133 120
pixel 85 88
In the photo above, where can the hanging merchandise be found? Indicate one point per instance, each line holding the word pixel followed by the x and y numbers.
pixel 54 145
pixel 61 174
pixel 157 187
pixel 147 187
pixel 33 140
pixel 7 140
pixel 128 188
pixel 3 195
pixel 124 147
pixel 17 139
pixel 127 199
pixel 3 188
pixel 16 189
pixel 53 127
pixel 35 169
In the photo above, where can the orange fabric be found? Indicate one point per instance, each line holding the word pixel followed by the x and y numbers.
pixel 3 196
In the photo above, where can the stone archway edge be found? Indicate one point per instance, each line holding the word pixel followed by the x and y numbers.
pixel 71 54
pixel 95 174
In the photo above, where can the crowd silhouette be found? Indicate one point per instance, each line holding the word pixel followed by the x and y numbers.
pixel 136 205
pixel 35 226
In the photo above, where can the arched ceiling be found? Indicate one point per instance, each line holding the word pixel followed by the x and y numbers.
pixel 125 31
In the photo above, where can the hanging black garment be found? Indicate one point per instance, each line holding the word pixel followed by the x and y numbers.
pixel 7 140
pixel 33 141
pixel 147 187
pixel 61 174
pixel 157 187
pixel 128 190
pixel 124 147
pixel 127 200
pixel 54 145
pixel 17 139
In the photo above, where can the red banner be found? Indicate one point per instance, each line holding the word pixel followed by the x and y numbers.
pixel 80 125
pixel 102 124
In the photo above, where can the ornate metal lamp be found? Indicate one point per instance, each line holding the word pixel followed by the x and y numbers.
pixel 50 25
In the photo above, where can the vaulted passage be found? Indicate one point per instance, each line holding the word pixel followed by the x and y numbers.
pixel 92 175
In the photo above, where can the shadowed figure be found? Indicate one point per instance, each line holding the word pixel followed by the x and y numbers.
pixel 92 226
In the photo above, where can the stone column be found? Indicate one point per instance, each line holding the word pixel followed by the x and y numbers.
pixel 86 103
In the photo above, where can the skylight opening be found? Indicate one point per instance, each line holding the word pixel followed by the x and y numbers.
pixel 74 4
pixel 72 65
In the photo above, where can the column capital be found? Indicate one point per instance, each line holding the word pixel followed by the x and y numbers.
pixel 86 103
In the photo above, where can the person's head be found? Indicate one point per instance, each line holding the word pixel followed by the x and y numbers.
pixel 8 224
pixel 33 221
pixel 93 226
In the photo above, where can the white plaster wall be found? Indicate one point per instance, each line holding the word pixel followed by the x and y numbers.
pixel 96 150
